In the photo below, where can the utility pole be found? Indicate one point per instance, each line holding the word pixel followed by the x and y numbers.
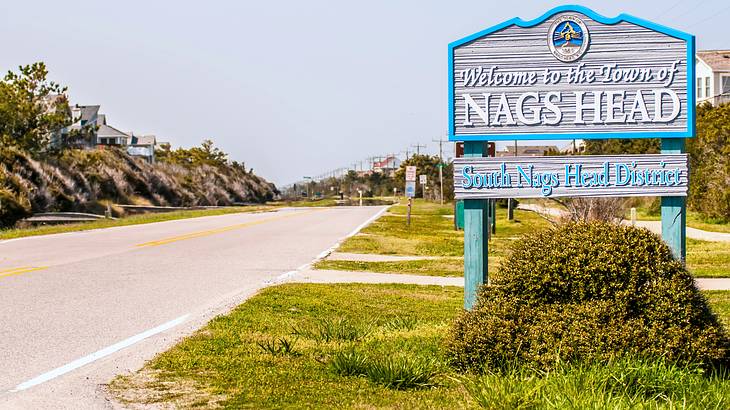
pixel 441 169
pixel 510 201
pixel 418 148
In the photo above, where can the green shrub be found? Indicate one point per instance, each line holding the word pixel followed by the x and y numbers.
pixel 394 372
pixel 349 363
pixel 276 346
pixel 587 292
pixel 402 373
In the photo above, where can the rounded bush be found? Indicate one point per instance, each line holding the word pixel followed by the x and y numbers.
pixel 586 292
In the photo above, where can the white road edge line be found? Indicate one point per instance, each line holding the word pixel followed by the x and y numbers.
pixel 325 253
pixel 59 371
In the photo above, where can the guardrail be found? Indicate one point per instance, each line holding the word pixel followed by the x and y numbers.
pixel 62 218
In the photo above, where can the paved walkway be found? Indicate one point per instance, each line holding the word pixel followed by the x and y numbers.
pixel 694 233
pixel 654 226
pixel 371 257
pixel 336 276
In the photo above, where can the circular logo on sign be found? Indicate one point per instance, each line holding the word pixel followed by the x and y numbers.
pixel 568 38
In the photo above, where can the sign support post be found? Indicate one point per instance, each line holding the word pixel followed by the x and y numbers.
pixel 674 209
pixel 476 227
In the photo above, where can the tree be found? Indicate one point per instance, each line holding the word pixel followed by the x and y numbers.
pixel 626 146
pixel 709 153
pixel 31 109
pixel 205 154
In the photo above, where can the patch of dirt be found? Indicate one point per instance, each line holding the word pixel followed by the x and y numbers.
pixel 150 389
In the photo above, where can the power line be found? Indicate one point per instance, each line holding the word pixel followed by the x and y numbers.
pixel 666 11
pixel 710 17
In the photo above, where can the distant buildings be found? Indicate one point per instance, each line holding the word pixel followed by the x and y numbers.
pixel 90 130
pixel 387 166
pixel 713 76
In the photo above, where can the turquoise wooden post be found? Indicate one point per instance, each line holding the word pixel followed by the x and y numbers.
pixel 674 209
pixel 476 226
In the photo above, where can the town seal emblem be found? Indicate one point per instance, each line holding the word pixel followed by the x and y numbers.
pixel 568 38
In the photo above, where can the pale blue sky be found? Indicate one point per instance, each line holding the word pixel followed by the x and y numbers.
pixel 290 87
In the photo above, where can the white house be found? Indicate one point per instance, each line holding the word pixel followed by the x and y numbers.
pixel 713 76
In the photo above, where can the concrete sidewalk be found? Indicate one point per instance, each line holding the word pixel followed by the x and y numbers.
pixel 336 276
pixel 694 233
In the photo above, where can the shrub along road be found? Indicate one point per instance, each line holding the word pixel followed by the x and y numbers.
pixel 79 299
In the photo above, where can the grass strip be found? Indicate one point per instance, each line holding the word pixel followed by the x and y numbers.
pixel 396 330
pixel 426 267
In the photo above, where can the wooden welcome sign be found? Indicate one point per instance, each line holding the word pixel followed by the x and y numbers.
pixel 569 74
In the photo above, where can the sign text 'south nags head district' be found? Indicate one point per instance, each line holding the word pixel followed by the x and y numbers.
pixel 595 175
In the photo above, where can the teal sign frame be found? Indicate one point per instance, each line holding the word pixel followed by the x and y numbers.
pixel 476 211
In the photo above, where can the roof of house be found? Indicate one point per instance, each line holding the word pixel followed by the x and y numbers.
pixel 87 112
pixel 143 140
pixel 107 131
pixel 389 161
pixel 718 60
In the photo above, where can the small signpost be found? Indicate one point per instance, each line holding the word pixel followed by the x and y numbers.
pixel 570 73
pixel 423 180
pixel 410 190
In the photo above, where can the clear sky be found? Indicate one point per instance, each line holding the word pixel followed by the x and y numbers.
pixel 291 88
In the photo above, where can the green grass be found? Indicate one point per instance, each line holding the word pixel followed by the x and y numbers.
pixel 131 220
pixel 379 346
pixel 381 350
pixel 720 302
pixel 431 234
pixel 427 267
pixel 708 259
pixel 623 383
pixel 306 203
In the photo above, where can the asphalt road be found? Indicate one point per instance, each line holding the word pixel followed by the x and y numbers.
pixel 80 308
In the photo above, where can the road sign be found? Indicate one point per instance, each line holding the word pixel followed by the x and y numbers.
pixel 571 176
pixel 572 73
pixel 411 173
pixel 423 179
pixel 410 189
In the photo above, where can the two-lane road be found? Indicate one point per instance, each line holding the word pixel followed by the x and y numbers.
pixel 79 308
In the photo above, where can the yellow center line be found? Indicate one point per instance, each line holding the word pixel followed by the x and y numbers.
pixel 200 234
pixel 20 270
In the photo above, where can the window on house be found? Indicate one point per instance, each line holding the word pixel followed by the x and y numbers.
pixel 699 88
pixel 725 84
pixel 707 87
